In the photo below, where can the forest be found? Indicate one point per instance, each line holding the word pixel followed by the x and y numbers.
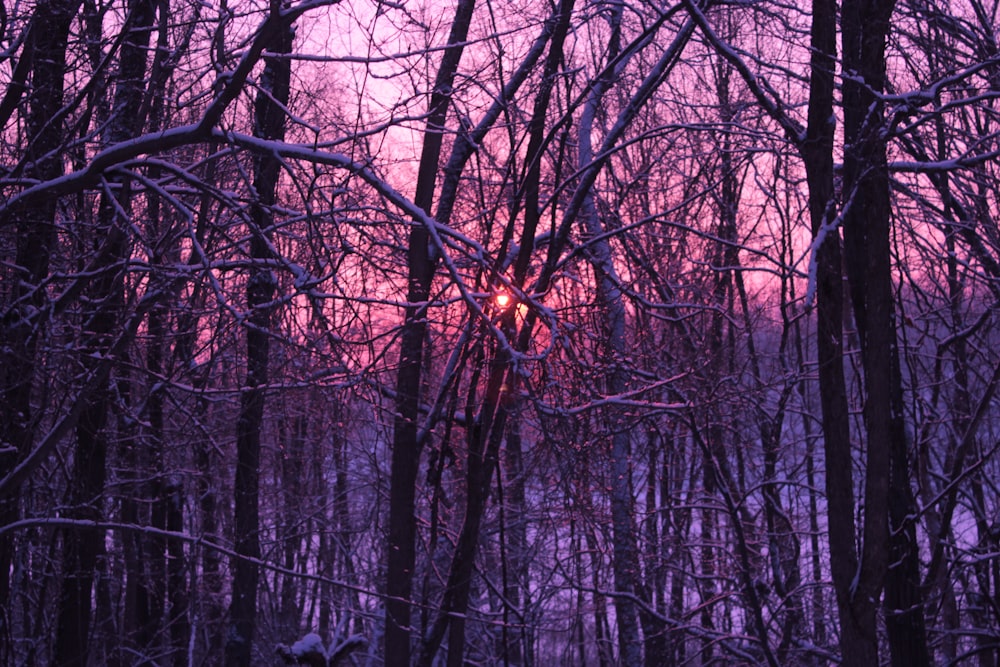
pixel 593 333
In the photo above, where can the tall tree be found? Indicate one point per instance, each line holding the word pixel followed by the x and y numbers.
pixel 406 445
pixel 890 551
pixel 43 59
pixel 490 425
pixel 269 116
pixel 101 321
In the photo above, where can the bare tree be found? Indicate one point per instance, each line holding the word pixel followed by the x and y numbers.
pixel 269 124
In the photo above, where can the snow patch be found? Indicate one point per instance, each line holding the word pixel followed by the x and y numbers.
pixel 309 645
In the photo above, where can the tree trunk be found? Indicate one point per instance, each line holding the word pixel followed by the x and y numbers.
pixel 269 123
pixel 516 636
pixel 44 54
pixel 501 388
pixel 858 640
pixel 106 293
pixel 406 446
pixel 890 549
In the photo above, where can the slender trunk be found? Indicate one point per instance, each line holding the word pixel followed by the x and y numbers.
pixel 165 492
pixel 107 294
pixel 653 630
pixel 500 399
pixel 602 628
pixel 485 438
pixel 819 605
pixel 610 299
pixel 206 575
pixel 209 612
pixel 177 580
pixel 406 446
pixel 517 635
pixel 269 123
pixel 146 555
pixel 294 490
pixel 983 611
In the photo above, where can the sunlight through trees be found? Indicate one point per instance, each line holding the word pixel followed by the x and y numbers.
pixel 583 332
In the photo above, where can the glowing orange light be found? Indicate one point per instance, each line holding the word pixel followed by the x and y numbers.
pixel 503 300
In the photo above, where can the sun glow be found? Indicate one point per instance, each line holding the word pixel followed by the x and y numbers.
pixel 503 300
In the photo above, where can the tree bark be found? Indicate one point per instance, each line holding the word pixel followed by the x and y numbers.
pixel 406 446
pixel 858 640
pixel 890 550
pixel 21 329
pixel 269 123
pixel 106 293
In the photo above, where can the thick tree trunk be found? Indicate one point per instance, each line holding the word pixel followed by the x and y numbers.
pixel 44 55
pixel 890 549
pixel 858 640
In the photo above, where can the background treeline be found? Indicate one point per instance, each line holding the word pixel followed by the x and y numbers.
pixel 736 405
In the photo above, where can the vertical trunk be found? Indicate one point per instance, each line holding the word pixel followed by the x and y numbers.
pixel 209 612
pixel 484 438
pixel 678 643
pixel 517 643
pixel 706 559
pixel 177 581
pixel 164 492
pixel 611 302
pixel 983 609
pixel 406 447
pixel 206 578
pixel 502 379
pixel 269 123
pixel 206 615
pixel 106 293
pixel 966 423
pixel 715 451
pixel 350 602
pixel 331 540
pixel 889 538
pixel 44 53
pixel 327 568
pixel 653 630
pixel 82 548
pixel 579 617
pixel 294 492
pixel 784 548
pixel 675 526
pixel 818 606
pixel 602 628
pixel 858 640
